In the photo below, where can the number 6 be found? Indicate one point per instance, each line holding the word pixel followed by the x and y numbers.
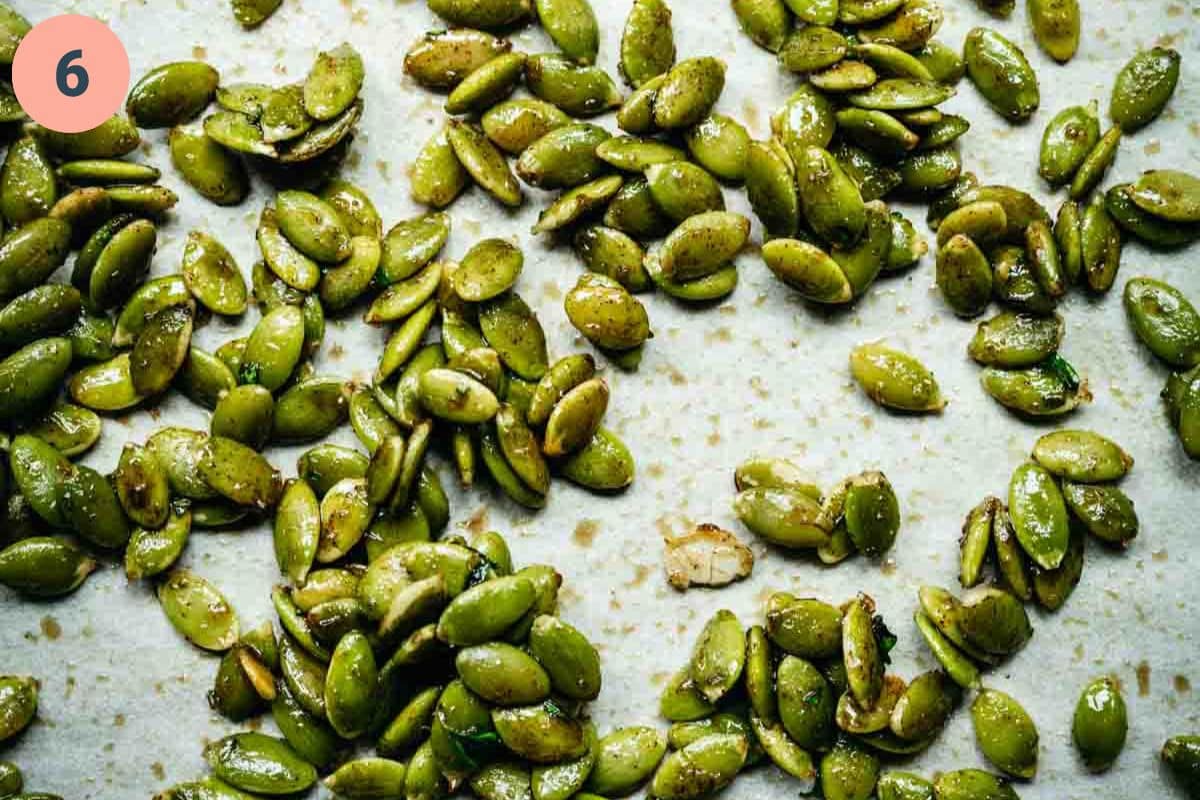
pixel 67 70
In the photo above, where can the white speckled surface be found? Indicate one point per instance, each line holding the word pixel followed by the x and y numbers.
pixel 123 712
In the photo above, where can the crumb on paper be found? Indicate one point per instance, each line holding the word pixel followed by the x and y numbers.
pixel 708 556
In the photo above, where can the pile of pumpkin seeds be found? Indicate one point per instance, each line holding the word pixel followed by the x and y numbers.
pixel 450 661
pixel 439 650
pixel 778 504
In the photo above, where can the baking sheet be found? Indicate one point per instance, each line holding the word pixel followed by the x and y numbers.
pixel 123 712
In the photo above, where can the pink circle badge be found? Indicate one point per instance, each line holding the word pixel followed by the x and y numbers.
pixel 70 73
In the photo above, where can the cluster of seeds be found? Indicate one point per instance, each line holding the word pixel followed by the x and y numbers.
pixel 777 503
pixel 438 652
pixel 662 178
pixel 1067 491
pixel 809 692
pixel 436 649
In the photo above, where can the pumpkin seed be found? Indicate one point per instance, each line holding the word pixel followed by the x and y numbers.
pixel 198 611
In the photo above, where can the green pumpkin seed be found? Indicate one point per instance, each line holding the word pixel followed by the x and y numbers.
pixel 1005 733
pixel 994 621
pixel 1014 341
pixel 970 784
pixel 612 253
pixel 1152 230
pixel 30 254
pixel 636 114
pixel 513 330
pixel 859 12
pixel 214 172
pixel 487 85
pixel 515 124
pixel 719 656
pixel 354 207
pixel 1181 754
pixel 604 465
pixel 581 91
pixel 18 705
pixel 44 311
pixel 255 762
pixel 895 380
pixel 863 262
pixel 1100 239
pixel 901 94
pixel 845 76
pixel 441 59
pixel 71 430
pixel 766 22
pixel 702 243
pixel 892 61
pixel 1068 140
pixel 1000 72
pixel 342 285
pixel 367 778
pixel 964 275
pixel 925 706
pixel 152 551
pixel 252 13
pixel 688 93
pixel 1100 724
pixel 198 611
pixel 958 666
pixel 682 190
pixel 831 202
pixel 160 350
pixel 44 566
pixel 489 269
pixel 438 177
pixel 910 28
pixel 92 509
pixel 848 772
pixel 1096 163
pixel 239 474
pixel 1143 87
pixel 871 513
pixel 1056 26
pixel 903 786
pixel 403 299
pixel 771 190
pixel 625 759
pixel 541 734
pixel 877 131
pixel 785 517
pixel 563 158
pixel 1164 321
pixel 456 397
pixel 113 138
pixel 575 418
pixel 1039 515
pixel 297 530
pixel 1105 511
pixel 285 116
pixel 607 314
pixel 285 260
pixel 864 667
pixel 804 627
pixel 312 226
pixel 812 48
pixel 212 276
pixel 27 183
pixel 237 132
pixel 502 674
pixel 930 170
pixel 1082 456
pixel 1041 250
pixel 483 162
pixel 333 83
pixel 203 377
pixel 806 704
pixel 485 611
pixel 634 154
pixel 274 348
pixel 1168 194
pixel 704 767
pixel 482 13
pixel 647 42
pixel 350 686
pixel 30 377
pixel 11 780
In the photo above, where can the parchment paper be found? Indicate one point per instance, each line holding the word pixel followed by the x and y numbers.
pixel 123 712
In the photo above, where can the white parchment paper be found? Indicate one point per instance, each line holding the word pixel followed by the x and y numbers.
pixel 123 712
